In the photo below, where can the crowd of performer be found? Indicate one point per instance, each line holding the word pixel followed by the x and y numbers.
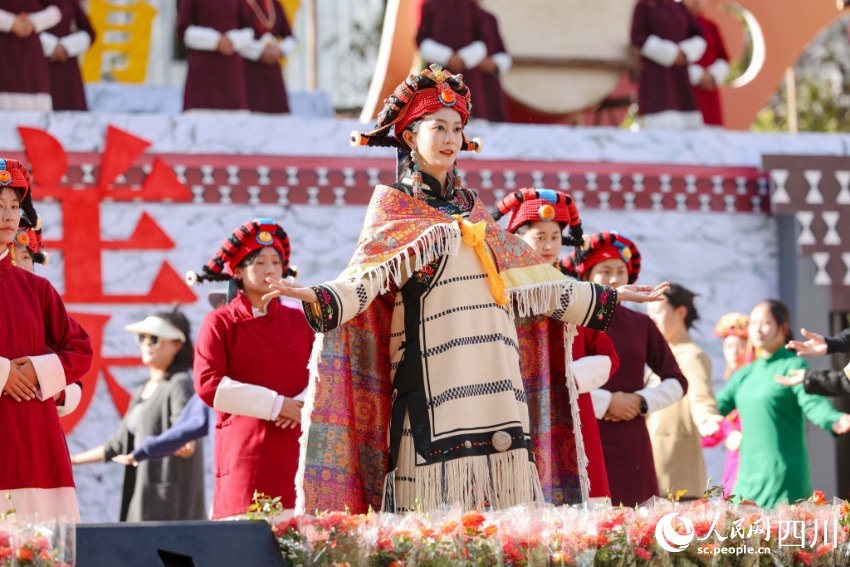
pixel 452 362
pixel 681 61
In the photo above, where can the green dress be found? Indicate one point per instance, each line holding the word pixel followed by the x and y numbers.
pixel 774 458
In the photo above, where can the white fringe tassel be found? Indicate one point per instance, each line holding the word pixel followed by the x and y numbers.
pixel 306 417
pixel 540 299
pixel 581 455
pixel 503 480
pixel 439 240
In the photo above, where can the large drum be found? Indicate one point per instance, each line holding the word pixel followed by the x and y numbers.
pixel 568 54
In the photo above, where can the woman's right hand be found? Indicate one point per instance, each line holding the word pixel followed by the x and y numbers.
pixel 815 346
pixel 290 414
pixel 290 289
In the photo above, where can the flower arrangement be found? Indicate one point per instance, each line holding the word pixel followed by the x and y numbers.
pixel 32 544
pixel 711 532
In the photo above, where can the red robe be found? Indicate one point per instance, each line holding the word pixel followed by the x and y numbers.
pixel 23 68
pixel 456 24
pixel 626 444
pixel 33 453
pixel 663 88
pixel 589 342
pixel 266 89
pixel 66 81
pixel 214 81
pixel 495 105
pixel 271 351
pixel 709 101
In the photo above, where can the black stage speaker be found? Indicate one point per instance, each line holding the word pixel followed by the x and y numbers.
pixel 178 544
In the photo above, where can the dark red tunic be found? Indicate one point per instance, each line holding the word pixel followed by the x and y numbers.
pixel 214 81
pixel 626 444
pixel 709 101
pixel 23 68
pixel 266 89
pixel 456 24
pixel 663 88
pixel 66 81
pixel 33 453
pixel 495 106
pixel 270 351
pixel 589 342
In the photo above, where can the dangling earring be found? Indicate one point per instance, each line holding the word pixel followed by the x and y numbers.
pixel 458 180
pixel 416 176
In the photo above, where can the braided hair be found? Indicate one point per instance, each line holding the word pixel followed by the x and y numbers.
pixel 215 269
pixel 396 106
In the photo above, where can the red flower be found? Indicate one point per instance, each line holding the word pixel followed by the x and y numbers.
pixel 818 498
pixel 473 521
pixel 804 556
pixel 822 550
pixel 5 540
pixel 643 554
pixel 5 552
pixel 25 554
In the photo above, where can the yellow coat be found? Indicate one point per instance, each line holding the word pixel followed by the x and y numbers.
pixel 679 463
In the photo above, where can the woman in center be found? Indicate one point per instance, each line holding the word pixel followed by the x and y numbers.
pixel 416 398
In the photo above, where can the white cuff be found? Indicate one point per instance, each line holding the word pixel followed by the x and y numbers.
pixel 591 372
pixel 7 20
pixel 76 43
pixel 48 43
pixel 278 403
pixel 253 49
pixel 601 400
pixel 50 374
pixel 240 38
pixel 202 39
pixel 5 367
pixel 503 62
pixel 693 48
pixel 695 73
pixel 287 44
pixel 719 71
pixel 73 395
pixel 473 54
pixel 662 51
pixel 45 19
pixel 302 396
pixel 659 397
pixel 248 400
pixel 435 52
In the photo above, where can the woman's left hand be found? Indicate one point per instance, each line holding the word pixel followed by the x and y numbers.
pixel 842 426
pixel 642 293
pixel 793 378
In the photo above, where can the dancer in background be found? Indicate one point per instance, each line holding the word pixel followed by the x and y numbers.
pixel 63 45
pixel 49 352
pixel 171 488
pixel 774 455
pixel 669 39
pixel 421 344
pixel 214 31
pixel 675 431
pixel 272 41
pixel 451 35
pixel 623 403
pixel 732 330
pixel 29 251
pixel 493 67
pixel 250 366
pixel 540 217
pixel 710 72
pixel 24 76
